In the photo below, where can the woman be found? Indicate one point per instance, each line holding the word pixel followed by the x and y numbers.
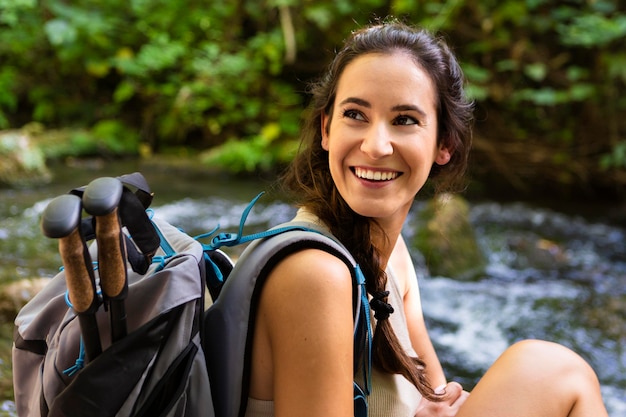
pixel 389 114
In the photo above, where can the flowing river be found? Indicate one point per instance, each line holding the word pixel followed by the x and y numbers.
pixel 550 275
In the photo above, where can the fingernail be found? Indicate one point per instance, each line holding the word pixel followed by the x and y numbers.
pixel 441 389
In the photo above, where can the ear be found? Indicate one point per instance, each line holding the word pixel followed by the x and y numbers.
pixel 324 130
pixel 443 156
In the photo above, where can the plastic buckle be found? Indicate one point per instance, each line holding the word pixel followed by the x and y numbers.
pixel 225 239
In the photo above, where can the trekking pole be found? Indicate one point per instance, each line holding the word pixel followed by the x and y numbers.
pixel 61 220
pixel 101 199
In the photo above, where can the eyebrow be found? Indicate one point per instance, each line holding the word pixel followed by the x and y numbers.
pixel 399 107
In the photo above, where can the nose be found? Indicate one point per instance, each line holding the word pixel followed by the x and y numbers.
pixel 377 142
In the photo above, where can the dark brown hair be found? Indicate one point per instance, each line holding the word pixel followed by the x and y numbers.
pixel 308 178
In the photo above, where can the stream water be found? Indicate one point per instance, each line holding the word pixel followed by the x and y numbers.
pixel 550 275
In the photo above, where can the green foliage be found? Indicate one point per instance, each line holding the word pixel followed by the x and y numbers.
pixel 175 71
pixel 7 100
pixel 616 158
pixel 549 77
pixel 112 136
pixel 165 74
pixel 107 137
pixel 256 153
pixel 592 30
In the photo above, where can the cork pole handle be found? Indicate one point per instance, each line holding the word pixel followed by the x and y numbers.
pixel 101 199
pixel 61 220
pixel 77 275
pixel 111 255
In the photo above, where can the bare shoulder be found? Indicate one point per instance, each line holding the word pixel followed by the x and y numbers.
pixel 400 258
pixel 305 311
pixel 402 265
pixel 311 272
pixel 307 281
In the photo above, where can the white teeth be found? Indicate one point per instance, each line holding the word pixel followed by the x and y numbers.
pixel 375 175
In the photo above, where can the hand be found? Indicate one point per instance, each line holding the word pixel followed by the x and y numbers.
pixel 452 400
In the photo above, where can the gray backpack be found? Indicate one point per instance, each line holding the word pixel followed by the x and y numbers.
pixel 148 347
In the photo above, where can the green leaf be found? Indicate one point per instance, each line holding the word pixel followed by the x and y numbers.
pixel 60 32
pixel 593 30
pixel 10 10
pixel 536 71
pixel 125 90
pixel 476 74
pixel 582 91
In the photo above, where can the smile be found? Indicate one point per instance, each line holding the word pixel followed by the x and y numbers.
pixel 371 175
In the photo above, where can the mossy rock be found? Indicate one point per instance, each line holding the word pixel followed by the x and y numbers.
pixel 22 162
pixel 447 240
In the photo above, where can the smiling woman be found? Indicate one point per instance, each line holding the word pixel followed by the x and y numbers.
pixel 385 123
pixel 389 115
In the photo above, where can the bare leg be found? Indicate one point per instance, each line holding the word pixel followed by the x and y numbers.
pixel 536 379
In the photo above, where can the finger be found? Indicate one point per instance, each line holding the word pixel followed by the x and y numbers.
pixel 460 400
pixel 454 392
pixel 451 391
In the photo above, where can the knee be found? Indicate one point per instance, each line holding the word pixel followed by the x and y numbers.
pixel 554 361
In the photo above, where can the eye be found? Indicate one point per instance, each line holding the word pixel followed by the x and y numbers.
pixel 404 120
pixel 353 114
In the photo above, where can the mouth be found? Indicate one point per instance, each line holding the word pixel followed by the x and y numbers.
pixel 375 175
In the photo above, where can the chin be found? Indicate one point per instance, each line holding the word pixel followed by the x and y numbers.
pixel 371 210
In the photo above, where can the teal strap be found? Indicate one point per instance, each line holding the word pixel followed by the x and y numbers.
pixel 234 239
pixel 360 402
pixel 165 245
pixel 80 361
pixel 365 312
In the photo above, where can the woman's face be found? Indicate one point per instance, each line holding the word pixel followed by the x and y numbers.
pixel 382 135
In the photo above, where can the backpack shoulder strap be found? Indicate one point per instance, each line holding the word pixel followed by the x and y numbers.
pixel 229 322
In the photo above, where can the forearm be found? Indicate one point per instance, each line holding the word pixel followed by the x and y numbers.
pixel 434 370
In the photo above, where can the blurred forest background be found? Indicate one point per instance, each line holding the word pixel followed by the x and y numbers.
pixel 224 81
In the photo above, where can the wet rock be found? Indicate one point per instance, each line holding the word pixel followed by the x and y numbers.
pixel 538 253
pixel 447 240
pixel 14 295
pixel 22 162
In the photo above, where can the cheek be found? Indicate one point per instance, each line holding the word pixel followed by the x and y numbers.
pixel 421 158
pixel 336 142
pixel 338 153
pixel 335 161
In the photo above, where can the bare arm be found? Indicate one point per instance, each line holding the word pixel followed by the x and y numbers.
pixel 302 355
pixel 420 340
pixel 403 265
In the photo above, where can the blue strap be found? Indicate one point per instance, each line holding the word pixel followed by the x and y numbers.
pixel 165 245
pixel 360 402
pixel 365 312
pixel 234 239
pixel 216 277
pixel 80 361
